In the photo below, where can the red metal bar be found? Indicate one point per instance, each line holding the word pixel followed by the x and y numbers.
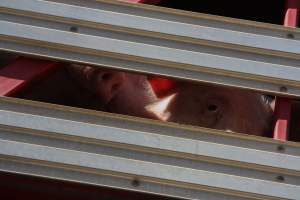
pixel 282 116
pixel 292 13
pixel 15 77
pixel 283 106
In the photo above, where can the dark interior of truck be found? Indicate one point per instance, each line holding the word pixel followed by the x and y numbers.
pixel 255 10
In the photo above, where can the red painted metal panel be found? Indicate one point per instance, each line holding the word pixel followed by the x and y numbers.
pixel 282 116
pixel 292 13
pixel 283 106
pixel 15 77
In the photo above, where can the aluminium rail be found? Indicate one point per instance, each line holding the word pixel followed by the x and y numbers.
pixel 155 40
pixel 112 150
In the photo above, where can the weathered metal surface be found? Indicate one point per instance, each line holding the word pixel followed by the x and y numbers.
pixel 161 155
pixel 155 40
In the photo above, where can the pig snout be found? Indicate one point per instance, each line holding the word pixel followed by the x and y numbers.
pixel 108 84
pixel 100 82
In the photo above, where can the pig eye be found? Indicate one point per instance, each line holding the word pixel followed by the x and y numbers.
pixel 212 108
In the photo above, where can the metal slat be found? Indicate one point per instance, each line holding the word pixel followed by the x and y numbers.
pixel 26 114
pixel 148 169
pixel 146 51
pixel 155 141
pixel 154 24
pixel 141 145
pixel 201 55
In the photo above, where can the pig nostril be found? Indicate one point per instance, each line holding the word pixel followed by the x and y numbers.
pixel 106 76
pixel 212 108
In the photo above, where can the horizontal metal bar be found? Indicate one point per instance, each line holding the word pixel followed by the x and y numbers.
pixel 119 182
pixel 143 154
pixel 137 139
pixel 147 169
pixel 198 59
pixel 58 124
pixel 158 22
pixel 147 51
pixel 279 71
pixel 117 63
pixel 155 141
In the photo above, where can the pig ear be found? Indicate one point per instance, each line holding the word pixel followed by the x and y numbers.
pixel 269 102
pixel 160 107
pixel 272 105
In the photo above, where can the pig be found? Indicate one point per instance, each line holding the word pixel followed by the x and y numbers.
pixel 210 106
